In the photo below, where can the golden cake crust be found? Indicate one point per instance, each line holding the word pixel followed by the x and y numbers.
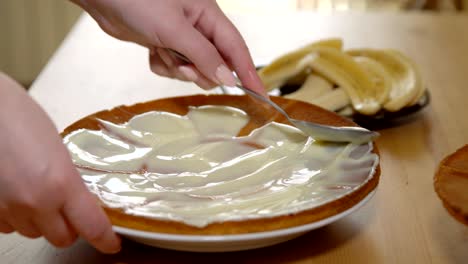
pixel 259 115
pixel 451 184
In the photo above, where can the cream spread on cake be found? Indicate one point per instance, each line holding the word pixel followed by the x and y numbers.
pixel 196 170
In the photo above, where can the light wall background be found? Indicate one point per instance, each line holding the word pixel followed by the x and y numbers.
pixel 31 30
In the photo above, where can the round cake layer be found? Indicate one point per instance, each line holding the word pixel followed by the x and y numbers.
pixel 451 184
pixel 217 165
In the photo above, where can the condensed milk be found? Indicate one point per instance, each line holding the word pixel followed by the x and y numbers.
pixel 196 170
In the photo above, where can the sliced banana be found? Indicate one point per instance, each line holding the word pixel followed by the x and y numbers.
pixel 379 76
pixel 346 111
pixel 406 83
pixel 333 100
pixel 286 67
pixel 299 79
pixel 419 81
pixel 319 91
pixel 369 79
pixel 341 69
pixel 313 87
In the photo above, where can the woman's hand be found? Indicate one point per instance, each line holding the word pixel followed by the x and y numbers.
pixel 197 29
pixel 41 192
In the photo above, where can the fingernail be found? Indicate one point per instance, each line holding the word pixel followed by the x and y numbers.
pixel 189 73
pixel 151 51
pixel 225 76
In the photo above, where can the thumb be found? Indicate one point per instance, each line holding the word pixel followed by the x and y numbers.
pixel 82 211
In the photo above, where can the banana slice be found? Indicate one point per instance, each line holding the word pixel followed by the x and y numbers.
pixel 341 69
pixel 406 82
pixel 334 100
pixel 286 67
pixel 419 81
pixel 346 111
pixel 379 76
pixel 319 91
pixel 313 87
pixel 299 79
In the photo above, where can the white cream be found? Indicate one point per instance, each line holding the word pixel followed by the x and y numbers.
pixel 194 168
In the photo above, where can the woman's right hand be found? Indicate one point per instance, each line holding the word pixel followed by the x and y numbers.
pixel 41 192
pixel 198 29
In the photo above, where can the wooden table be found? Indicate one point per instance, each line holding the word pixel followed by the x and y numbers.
pixel 404 223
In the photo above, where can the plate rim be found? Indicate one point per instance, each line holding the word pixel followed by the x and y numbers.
pixel 241 237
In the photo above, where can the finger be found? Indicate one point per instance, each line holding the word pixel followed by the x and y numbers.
pixel 206 84
pixel 157 65
pixel 232 47
pixel 90 222
pixel 177 68
pixel 172 65
pixel 25 227
pixel 5 227
pixel 204 55
pixel 167 58
pixel 55 229
pixel 192 74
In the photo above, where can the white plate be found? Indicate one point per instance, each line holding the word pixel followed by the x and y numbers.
pixel 224 243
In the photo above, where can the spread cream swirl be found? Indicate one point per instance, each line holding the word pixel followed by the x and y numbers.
pixel 194 169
